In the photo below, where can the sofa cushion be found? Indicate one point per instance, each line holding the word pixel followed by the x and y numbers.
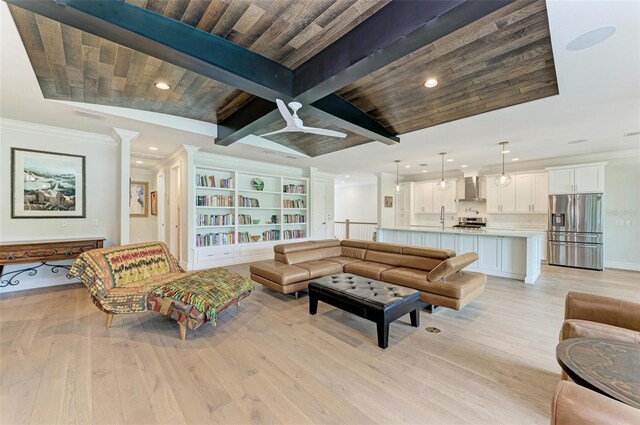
pixel 420 263
pixel 436 253
pixel 285 248
pixel 320 268
pixel 389 258
pixel 327 243
pixel 333 251
pixel 368 269
pixel 354 243
pixel 575 328
pixel 280 273
pixel 385 247
pixel 342 260
pixel 302 256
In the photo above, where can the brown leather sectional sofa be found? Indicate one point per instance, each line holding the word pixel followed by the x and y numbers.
pixel 436 273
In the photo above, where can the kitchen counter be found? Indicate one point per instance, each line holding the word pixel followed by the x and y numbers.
pixel 508 253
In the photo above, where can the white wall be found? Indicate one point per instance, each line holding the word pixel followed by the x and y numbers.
pixel 102 191
pixel 143 229
pixel 622 213
pixel 356 203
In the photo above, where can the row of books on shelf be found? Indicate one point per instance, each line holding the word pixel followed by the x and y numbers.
pixel 214 201
pixel 213 239
pixel 292 188
pixel 214 220
pixel 210 181
pixel 293 203
pixel 244 219
pixel 294 234
pixel 244 201
pixel 293 218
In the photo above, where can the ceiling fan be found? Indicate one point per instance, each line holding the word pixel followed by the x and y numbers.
pixel 295 125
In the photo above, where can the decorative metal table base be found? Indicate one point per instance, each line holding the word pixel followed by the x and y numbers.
pixel 31 271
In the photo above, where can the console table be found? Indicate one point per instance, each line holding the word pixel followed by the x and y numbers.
pixel 41 251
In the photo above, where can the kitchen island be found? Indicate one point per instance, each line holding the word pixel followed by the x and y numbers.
pixel 506 253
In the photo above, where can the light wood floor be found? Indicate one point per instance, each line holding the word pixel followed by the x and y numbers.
pixel 268 361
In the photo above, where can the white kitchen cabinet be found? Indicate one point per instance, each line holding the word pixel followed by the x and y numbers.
pixel 540 193
pixel 468 243
pixel 489 250
pixel 448 241
pixel 589 179
pixel 431 240
pixel 584 178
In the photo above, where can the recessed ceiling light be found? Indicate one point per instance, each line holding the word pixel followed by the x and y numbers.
pixel 575 142
pixel 506 151
pixel 407 166
pixel 450 159
pixel 153 148
pixel 162 86
pixel 515 159
pixel 431 82
pixel 139 162
pixel 463 166
pixel 591 38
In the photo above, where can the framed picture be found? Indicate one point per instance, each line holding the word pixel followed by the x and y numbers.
pixel 388 201
pixel 47 184
pixel 154 203
pixel 138 199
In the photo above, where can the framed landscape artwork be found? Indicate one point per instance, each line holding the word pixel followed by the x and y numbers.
pixel 47 184
pixel 138 199
pixel 154 203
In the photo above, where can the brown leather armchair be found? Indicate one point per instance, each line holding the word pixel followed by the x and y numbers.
pixel 576 405
pixel 595 316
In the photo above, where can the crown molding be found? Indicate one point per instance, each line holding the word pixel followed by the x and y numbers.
pixel 49 130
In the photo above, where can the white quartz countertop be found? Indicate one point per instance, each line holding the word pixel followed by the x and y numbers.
pixel 484 232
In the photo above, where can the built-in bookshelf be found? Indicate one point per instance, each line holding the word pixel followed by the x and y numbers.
pixel 240 208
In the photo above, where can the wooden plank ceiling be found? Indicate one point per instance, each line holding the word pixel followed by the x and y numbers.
pixel 499 61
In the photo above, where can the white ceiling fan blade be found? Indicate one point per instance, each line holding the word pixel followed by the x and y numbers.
pixel 324 132
pixel 284 111
pixel 287 129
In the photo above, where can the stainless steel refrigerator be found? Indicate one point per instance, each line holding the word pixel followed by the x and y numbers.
pixel 575 231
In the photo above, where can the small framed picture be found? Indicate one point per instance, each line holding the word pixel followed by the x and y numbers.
pixel 154 203
pixel 388 201
pixel 47 184
pixel 138 199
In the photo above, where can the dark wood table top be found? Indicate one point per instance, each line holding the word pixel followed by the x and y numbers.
pixel 611 368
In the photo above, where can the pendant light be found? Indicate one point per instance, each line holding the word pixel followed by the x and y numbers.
pixel 397 188
pixel 443 184
pixel 504 179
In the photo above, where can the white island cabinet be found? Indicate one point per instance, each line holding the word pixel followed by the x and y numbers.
pixel 504 253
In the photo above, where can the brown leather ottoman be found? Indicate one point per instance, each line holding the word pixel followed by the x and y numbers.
pixel 370 299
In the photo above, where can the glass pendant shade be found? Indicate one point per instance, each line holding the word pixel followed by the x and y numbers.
pixel 502 180
pixel 443 185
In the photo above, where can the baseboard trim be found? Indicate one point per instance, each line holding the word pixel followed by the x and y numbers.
pixel 622 265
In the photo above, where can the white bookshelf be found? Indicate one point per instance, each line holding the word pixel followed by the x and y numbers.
pixel 227 217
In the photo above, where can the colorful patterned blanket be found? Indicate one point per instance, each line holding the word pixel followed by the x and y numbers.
pixel 208 291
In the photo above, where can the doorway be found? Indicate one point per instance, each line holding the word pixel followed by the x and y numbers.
pixel 174 197
pixel 320 209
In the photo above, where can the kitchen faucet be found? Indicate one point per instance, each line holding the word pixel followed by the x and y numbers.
pixel 442 216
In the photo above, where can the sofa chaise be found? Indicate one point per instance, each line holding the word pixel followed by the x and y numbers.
pixel 437 273
pixel 146 277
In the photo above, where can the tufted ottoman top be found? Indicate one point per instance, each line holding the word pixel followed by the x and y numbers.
pixel 370 290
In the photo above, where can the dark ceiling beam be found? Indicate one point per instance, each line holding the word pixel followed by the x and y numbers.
pixel 255 115
pixel 396 30
pixel 171 41
pixel 346 115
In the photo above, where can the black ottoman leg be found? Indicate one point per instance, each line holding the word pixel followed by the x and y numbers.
pixel 415 317
pixel 383 333
pixel 313 303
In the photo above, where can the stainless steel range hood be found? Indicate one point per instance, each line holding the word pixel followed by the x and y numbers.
pixel 473 189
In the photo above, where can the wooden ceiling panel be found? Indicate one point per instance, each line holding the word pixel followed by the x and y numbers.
pixel 501 60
